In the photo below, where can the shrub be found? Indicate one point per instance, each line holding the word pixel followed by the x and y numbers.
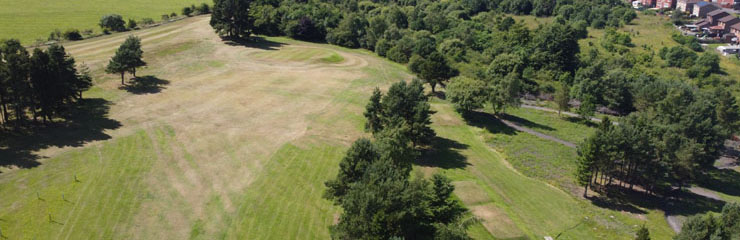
pixel 55 35
pixel 397 55
pixel 131 24
pixel 112 22
pixel 72 35
pixel 187 11
pixel 147 21
pixel 203 9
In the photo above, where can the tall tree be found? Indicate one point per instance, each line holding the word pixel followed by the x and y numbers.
pixel 128 57
pixel 562 97
pixel 405 108
pixel 17 65
pixel 232 18
pixel 434 69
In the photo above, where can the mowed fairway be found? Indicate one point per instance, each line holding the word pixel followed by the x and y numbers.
pixel 236 141
pixel 29 20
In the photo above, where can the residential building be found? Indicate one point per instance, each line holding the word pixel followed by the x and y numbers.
pixel 714 16
pixel 735 29
pixel 667 4
pixel 725 3
pixel 702 8
pixel 727 21
pixel 686 5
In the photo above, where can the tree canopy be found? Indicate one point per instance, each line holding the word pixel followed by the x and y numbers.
pixel 232 18
pixel 128 57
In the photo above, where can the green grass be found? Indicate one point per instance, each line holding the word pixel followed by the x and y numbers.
pixel 535 208
pixel 101 205
pixel 285 201
pixel 333 58
pixel 567 128
pixel 29 20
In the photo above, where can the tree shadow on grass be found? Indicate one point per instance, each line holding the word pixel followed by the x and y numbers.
pixel 253 42
pixel 526 123
pixel 145 85
pixel 675 202
pixel 444 153
pixel 86 121
pixel 726 181
pixel 583 121
pixel 487 121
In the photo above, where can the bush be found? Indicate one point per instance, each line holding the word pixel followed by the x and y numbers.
pixel 382 47
pixel 203 9
pixel 55 35
pixel 186 11
pixel 678 57
pixel 147 21
pixel 72 35
pixel 131 24
pixel 397 55
pixel 112 22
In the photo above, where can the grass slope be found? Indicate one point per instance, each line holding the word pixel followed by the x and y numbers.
pixel 29 20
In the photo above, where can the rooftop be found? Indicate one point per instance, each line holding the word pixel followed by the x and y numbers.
pixel 727 18
pixel 718 12
pixel 736 26
pixel 702 3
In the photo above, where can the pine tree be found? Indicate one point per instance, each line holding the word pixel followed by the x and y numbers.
pixel 643 233
pixel 128 57
pixel 373 112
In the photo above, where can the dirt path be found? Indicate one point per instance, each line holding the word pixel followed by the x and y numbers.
pixel 536 133
pixel 570 114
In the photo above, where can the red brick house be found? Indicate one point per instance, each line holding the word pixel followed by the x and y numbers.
pixel 727 21
pixel 669 4
pixel 702 8
pixel 714 16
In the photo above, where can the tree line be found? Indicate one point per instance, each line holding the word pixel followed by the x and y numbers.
pixel 36 86
pixel 439 40
pixel 675 138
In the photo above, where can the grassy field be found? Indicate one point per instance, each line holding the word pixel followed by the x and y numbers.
pixel 235 142
pixel 29 20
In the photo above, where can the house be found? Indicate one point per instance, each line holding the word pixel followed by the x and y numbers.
pixel 714 16
pixel 728 50
pixel 648 3
pixel 686 5
pixel 668 4
pixel 702 8
pixel 727 21
pixel 735 29
pixel 725 3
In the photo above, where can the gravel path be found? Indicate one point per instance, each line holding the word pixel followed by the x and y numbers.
pixel 538 134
